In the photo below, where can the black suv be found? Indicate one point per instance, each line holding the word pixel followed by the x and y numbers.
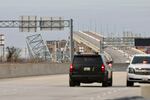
pixel 89 68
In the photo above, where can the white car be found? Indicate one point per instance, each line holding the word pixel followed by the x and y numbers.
pixel 139 69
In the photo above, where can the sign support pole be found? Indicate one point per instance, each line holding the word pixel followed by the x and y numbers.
pixel 71 40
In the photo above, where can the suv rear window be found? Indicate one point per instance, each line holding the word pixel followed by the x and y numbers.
pixel 141 60
pixel 87 59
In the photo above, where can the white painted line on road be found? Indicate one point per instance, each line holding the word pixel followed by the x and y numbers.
pixel 121 51
pixel 126 54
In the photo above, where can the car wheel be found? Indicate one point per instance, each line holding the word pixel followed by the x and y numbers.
pixel 71 83
pixel 130 83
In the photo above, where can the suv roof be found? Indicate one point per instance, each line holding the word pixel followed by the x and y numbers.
pixel 87 54
pixel 88 59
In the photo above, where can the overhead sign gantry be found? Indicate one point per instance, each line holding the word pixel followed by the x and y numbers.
pixel 33 23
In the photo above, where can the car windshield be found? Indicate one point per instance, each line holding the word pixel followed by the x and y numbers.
pixel 87 60
pixel 141 60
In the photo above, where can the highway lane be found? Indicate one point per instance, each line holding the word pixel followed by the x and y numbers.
pixel 55 87
pixel 118 57
pixel 129 51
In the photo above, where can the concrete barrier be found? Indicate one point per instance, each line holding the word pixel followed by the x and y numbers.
pixel 145 91
pixel 120 66
pixel 21 70
pixel 28 69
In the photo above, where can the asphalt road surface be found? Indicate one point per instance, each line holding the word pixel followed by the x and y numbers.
pixel 118 57
pixel 55 87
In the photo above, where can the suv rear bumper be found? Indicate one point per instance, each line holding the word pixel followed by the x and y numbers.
pixel 89 78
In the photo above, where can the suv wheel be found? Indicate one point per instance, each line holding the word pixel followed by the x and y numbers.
pixel 71 83
pixel 77 83
pixel 104 84
pixel 110 82
pixel 129 83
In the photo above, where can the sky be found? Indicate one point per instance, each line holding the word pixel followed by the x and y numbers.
pixel 102 16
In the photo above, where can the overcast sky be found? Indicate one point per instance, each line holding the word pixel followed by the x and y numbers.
pixel 104 16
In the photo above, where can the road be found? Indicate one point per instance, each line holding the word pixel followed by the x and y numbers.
pixel 131 51
pixel 55 87
pixel 117 56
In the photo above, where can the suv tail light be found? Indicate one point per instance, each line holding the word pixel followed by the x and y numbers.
pixel 71 68
pixel 102 68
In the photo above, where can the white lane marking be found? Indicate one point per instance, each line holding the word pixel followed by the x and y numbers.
pixel 121 51
pixel 89 36
pixel 126 54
